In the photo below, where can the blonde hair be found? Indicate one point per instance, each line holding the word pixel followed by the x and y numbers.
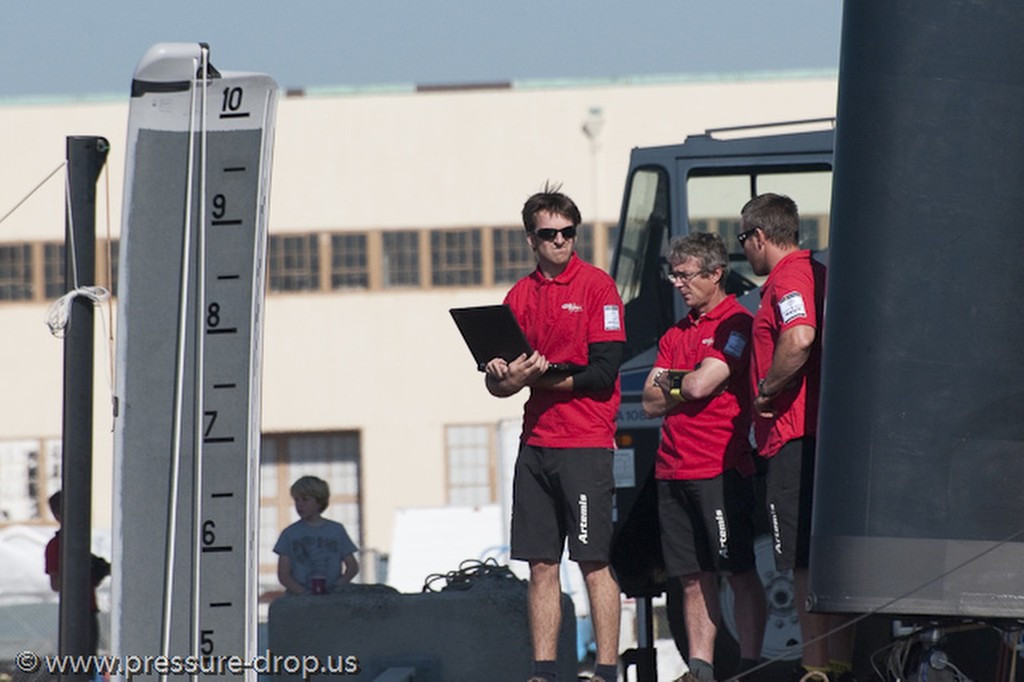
pixel 311 486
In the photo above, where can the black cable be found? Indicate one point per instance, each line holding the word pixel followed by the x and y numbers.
pixel 469 573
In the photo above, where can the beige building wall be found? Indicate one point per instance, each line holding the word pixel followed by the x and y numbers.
pixel 389 363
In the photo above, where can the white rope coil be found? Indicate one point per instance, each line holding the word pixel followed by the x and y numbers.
pixel 58 316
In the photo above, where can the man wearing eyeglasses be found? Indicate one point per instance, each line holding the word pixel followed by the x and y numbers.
pixel 699 384
pixel 571 313
pixel 785 376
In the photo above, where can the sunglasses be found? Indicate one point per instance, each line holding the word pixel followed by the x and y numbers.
pixel 745 235
pixel 548 233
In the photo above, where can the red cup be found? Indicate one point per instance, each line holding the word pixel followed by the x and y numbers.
pixel 318 584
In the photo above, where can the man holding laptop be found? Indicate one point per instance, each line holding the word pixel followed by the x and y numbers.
pixel 571 313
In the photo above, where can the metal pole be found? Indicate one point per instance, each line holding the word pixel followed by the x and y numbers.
pixel 647 662
pixel 85 156
pixel 644 656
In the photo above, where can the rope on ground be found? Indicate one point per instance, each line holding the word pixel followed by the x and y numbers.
pixel 469 573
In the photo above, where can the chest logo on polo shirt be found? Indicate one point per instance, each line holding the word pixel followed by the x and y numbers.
pixel 612 320
pixel 791 307
pixel 572 307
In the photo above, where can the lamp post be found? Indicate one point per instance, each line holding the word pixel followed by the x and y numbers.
pixel 592 126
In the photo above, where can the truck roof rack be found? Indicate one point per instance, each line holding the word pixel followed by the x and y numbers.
pixel 799 123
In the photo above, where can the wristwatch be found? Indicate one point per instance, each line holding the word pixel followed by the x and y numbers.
pixel 675 383
pixel 657 375
pixel 761 392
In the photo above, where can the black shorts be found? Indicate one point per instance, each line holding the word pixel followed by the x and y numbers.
pixel 789 489
pixel 707 525
pixel 561 493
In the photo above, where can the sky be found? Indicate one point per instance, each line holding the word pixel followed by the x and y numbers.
pixel 77 48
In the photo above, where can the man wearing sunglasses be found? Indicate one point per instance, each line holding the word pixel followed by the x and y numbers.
pixel 785 373
pixel 700 385
pixel 571 313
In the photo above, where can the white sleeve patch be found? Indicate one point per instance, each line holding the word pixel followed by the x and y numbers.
pixel 791 306
pixel 735 345
pixel 611 318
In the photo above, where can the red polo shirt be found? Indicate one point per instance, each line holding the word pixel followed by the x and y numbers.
pixel 52 565
pixel 561 318
pixel 700 439
pixel 793 294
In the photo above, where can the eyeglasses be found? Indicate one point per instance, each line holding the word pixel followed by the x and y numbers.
pixel 745 235
pixel 548 233
pixel 677 277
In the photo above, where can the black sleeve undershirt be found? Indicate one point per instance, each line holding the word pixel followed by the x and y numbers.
pixel 603 360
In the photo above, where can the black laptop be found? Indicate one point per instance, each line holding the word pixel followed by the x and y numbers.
pixel 492 331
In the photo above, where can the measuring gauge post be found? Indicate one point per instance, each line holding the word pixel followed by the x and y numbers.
pixel 234 242
pixel 186 453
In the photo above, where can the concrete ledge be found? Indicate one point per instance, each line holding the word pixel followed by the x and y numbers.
pixel 479 633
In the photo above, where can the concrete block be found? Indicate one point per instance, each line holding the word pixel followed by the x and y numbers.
pixel 456 635
pixel 397 675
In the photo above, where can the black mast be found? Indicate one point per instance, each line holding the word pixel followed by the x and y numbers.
pixel 85 159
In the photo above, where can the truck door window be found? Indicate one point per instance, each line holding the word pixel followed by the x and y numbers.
pixel 714 203
pixel 638 271
pixel 645 220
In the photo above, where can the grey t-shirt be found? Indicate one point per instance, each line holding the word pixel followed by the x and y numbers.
pixel 315 550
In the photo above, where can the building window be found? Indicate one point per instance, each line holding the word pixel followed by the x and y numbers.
pixel 15 272
pixel 472 465
pixel 54 253
pixel 612 231
pixel 29 474
pixel 585 243
pixel 456 258
pixel 401 259
pixel 285 457
pixel 349 262
pixel 513 257
pixel 294 263
pixel 53 270
pixel 334 261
